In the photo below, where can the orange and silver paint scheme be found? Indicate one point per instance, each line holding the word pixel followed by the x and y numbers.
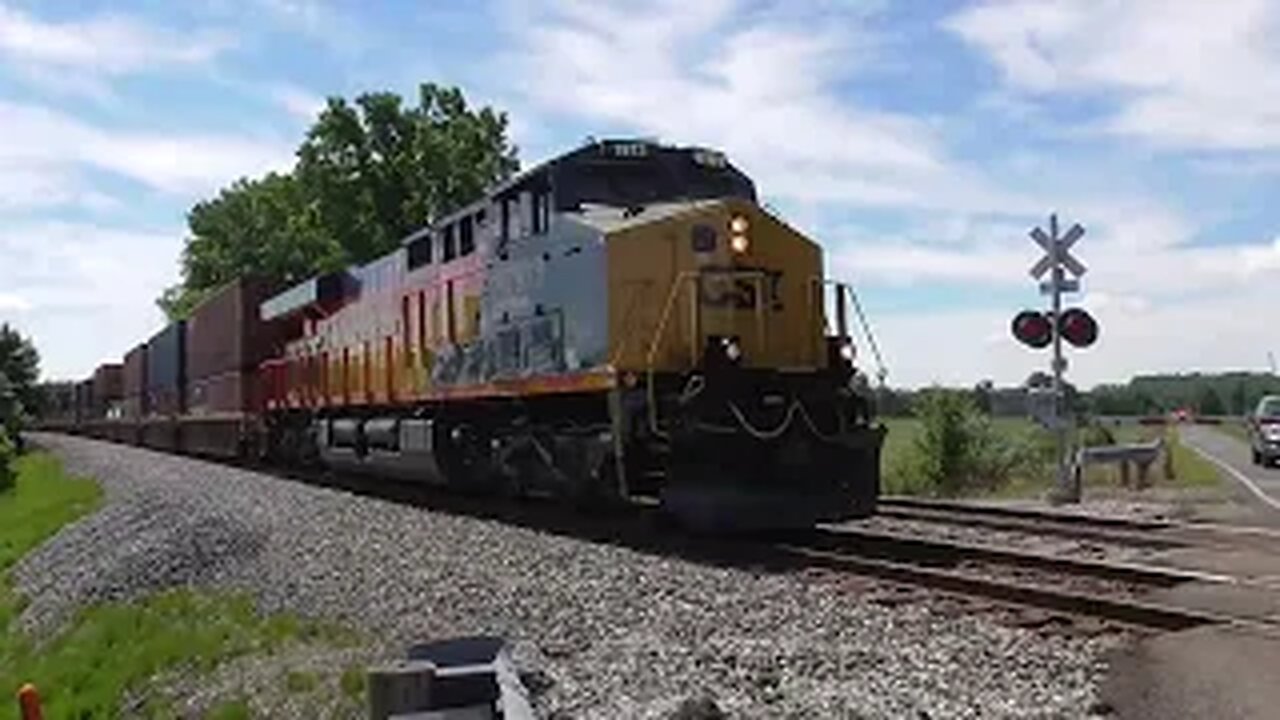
pixel 596 323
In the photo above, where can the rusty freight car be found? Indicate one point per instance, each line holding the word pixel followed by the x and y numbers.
pixel 226 340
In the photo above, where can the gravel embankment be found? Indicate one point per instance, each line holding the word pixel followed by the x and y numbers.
pixel 616 633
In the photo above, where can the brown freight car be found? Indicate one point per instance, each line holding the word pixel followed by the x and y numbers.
pixel 108 388
pixel 134 403
pixel 226 333
pixel 226 340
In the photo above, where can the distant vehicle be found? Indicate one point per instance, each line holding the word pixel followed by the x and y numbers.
pixel 1264 431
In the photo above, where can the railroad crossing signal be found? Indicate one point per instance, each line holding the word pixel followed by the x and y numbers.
pixel 1035 329
pixel 1039 330
pixel 1078 327
pixel 1032 328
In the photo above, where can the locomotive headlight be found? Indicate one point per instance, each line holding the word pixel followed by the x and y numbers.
pixel 732 350
pixel 846 351
pixel 739 224
pixel 739 244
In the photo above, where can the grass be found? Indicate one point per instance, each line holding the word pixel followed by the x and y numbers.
pixel 110 650
pixel 42 500
pixel 898 455
pixel 1234 429
pixel 898 458
pixel 353 683
pixel 297 681
pixel 230 710
pixel 1189 468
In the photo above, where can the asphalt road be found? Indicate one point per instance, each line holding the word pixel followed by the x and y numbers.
pixel 1232 456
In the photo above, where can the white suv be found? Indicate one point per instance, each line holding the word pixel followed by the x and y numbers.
pixel 1264 431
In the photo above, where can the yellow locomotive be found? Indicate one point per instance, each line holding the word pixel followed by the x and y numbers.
pixel 622 323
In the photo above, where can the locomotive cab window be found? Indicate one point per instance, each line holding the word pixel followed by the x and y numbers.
pixel 541 212
pixel 466 236
pixel 510 218
pixel 450 244
pixel 420 252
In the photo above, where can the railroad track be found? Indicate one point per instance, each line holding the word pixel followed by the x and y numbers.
pixel 1134 532
pixel 1104 590
pixel 961 568
pixel 990 511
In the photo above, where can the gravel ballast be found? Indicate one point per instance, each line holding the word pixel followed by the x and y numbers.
pixel 612 632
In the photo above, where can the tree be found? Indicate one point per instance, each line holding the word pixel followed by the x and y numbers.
pixel 1239 405
pixel 19 364
pixel 262 226
pixel 1210 403
pixel 367 174
pixel 982 396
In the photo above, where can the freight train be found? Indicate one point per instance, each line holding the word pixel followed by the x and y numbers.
pixel 624 323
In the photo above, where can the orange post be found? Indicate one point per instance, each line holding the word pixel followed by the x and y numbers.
pixel 29 702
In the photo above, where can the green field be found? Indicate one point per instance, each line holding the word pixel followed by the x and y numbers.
pixel 113 649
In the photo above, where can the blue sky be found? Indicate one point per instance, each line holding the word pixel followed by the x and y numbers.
pixel 919 142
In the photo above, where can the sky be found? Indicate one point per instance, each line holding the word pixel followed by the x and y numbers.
pixel 918 142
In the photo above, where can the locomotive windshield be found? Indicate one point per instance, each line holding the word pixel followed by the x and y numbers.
pixel 637 174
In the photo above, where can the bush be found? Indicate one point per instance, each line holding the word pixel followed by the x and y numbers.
pixel 8 454
pixel 959 449
pixel 1095 435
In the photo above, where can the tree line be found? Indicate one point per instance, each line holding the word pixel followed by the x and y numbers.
pixel 367 174
pixel 1231 393
pixel 19 395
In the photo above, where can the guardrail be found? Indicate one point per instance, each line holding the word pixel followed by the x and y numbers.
pixel 1127 457
pixel 1169 419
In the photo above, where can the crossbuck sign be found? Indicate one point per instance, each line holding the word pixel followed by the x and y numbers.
pixel 1057 254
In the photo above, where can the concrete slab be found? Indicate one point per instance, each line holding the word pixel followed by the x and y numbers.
pixel 1208 672
pixel 1239 601
pixel 1248 563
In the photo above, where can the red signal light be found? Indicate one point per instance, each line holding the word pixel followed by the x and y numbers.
pixel 1033 329
pixel 1078 327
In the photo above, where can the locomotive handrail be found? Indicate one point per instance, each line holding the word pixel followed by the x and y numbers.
pixel 881 370
pixel 653 350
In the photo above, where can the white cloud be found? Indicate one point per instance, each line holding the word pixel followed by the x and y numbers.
pixel 300 103
pixel 1161 308
pixel 774 94
pixel 51 143
pixel 308 15
pixel 1224 332
pixel 102 45
pixel 324 22
pixel 85 293
pixel 1144 256
pixel 1185 73
pixel 761 88
pixel 13 302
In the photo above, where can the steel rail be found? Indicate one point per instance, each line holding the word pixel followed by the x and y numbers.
pixel 1127 611
pixel 1061 528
